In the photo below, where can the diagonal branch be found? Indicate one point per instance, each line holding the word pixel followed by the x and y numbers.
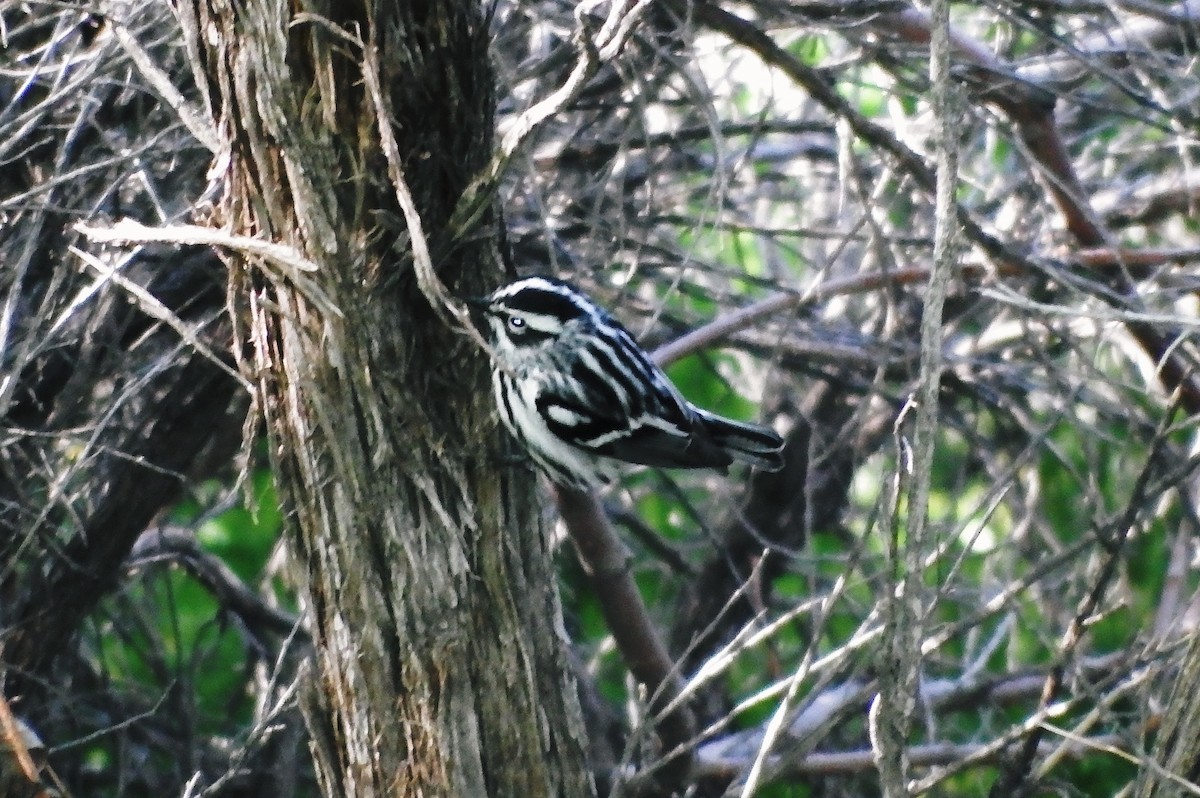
pixel 606 561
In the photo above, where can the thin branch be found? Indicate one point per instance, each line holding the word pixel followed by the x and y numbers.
pixel 193 119
pixel 732 322
pixel 758 41
pixel 281 261
pixel 152 307
pixel 428 282
pixel 622 18
pixel 1014 780
pixel 830 763
pixel 180 546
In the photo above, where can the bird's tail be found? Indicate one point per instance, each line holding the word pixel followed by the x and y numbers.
pixel 750 443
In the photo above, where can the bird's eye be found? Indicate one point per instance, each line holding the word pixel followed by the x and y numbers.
pixel 516 323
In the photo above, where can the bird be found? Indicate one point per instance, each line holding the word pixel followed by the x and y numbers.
pixel 582 398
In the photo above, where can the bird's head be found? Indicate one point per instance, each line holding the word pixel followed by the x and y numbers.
pixel 526 318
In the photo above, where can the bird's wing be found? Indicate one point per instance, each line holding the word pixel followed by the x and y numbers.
pixel 660 429
pixel 654 444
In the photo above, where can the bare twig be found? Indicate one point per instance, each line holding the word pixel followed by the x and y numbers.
pixel 593 50
pixel 157 310
pixel 1014 779
pixel 191 116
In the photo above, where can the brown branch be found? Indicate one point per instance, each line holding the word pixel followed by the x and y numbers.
pixel 1031 110
pixel 779 511
pixel 594 48
pixel 1029 107
pixel 1158 203
pixel 24 779
pixel 1161 27
pixel 191 423
pixel 180 546
pixel 606 561
pixel 732 754
pixel 1135 261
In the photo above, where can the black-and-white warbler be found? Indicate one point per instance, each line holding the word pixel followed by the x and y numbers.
pixel 581 396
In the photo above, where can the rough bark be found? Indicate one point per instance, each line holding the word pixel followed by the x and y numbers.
pixel 431 598
pixel 1176 754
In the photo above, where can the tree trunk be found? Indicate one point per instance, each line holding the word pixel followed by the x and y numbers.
pixel 425 569
pixel 1175 759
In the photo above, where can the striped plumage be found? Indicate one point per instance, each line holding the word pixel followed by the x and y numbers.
pixel 581 396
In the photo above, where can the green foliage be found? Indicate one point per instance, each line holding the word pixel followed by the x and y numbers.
pixel 716 179
pixel 867 93
pixel 698 379
pixel 1095 775
pixel 1148 553
pixel 791 789
pixel 812 49
pixel 167 643
pixel 189 642
pixel 244 536
pixel 975 781
pixel 663 515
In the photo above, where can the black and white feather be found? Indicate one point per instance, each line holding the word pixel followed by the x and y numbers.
pixel 581 396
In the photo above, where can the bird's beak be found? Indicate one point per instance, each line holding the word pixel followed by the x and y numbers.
pixel 477 306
